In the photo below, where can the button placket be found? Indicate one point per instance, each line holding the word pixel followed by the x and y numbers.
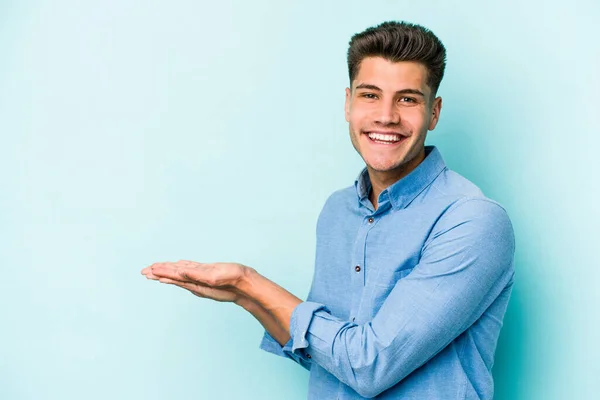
pixel 358 266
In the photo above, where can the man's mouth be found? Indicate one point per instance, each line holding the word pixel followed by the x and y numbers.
pixel 384 138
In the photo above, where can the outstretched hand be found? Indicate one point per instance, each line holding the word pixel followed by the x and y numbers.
pixel 271 304
pixel 216 281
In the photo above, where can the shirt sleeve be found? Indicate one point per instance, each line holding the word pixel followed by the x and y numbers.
pixel 272 346
pixel 465 264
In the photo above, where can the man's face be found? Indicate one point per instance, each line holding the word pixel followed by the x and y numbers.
pixel 389 111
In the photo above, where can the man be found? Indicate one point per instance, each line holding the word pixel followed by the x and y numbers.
pixel 414 265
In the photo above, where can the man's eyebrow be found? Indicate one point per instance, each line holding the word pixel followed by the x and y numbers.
pixel 403 91
pixel 367 86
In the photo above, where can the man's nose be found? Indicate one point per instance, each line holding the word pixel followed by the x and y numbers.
pixel 388 114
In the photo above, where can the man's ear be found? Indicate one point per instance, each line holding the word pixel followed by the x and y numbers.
pixel 436 109
pixel 347 105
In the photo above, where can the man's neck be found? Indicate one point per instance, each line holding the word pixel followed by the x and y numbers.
pixel 380 180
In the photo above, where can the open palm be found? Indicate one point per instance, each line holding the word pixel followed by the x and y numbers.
pixel 216 281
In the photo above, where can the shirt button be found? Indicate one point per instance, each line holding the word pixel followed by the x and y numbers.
pixel 371 220
pixel 357 268
pixel 308 355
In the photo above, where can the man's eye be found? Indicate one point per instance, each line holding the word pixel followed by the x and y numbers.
pixel 369 96
pixel 407 100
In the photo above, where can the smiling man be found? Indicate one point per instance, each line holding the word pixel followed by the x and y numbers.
pixel 414 265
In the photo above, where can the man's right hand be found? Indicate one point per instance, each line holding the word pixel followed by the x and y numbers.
pixel 218 294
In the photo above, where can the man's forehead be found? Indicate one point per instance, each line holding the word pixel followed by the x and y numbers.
pixel 390 75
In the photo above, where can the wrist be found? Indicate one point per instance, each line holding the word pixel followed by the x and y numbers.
pixel 260 292
pixel 241 287
pixel 246 303
pixel 244 284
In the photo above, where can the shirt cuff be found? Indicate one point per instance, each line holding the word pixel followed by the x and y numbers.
pixel 323 327
pixel 272 346
pixel 302 318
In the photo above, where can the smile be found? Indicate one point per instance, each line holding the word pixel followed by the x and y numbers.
pixel 384 138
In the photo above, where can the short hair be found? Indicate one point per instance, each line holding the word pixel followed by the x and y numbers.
pixel 399 41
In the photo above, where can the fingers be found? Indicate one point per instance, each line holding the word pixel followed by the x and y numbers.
pixel 148 273
pixel 195 289
pixel 186 285
pixel 180 271
pixel 168 272
pixel 171 282
pixel 192 271
pixel 172 275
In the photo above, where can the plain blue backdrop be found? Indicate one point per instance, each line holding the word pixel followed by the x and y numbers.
pixel 141 131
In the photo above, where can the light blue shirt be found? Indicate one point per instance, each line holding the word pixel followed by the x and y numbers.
pixel 407 301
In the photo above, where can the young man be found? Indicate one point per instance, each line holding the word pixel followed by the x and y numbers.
pixel 414 265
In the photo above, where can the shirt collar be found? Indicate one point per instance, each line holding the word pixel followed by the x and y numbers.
pixel 402 192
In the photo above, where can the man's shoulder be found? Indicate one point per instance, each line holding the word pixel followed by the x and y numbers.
pixel 343 197
pixel 452 184
pixel 450 189
pixel 462 201
pixel 344 194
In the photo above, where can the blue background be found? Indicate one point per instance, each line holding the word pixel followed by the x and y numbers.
pixel 141 131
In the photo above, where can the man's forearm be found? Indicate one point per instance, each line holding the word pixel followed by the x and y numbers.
pixel 267 320
pixel 270 304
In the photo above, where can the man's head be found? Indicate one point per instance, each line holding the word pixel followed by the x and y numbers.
pixel 395 70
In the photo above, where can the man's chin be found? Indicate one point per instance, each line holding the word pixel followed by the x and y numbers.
pixel 382 168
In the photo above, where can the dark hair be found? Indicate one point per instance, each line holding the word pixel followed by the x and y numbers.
pixel 399 41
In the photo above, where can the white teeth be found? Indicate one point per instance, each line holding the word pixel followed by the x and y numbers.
pixel 384 138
